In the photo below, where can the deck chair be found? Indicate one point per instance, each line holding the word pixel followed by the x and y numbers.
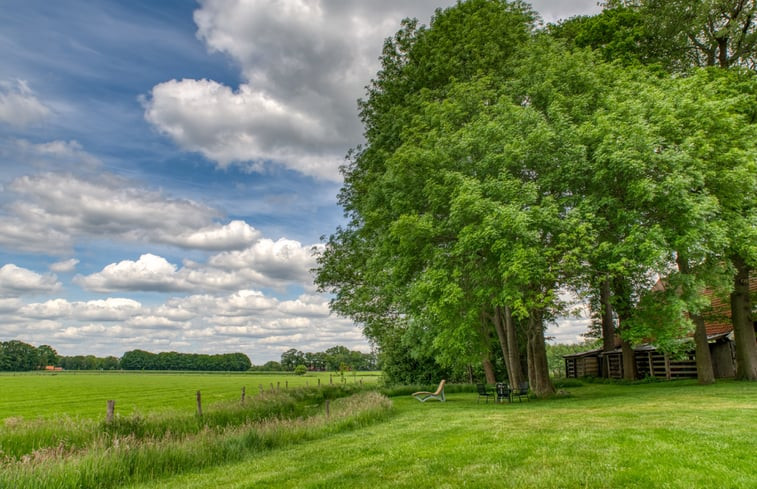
pixel 521 391
pixel 482 392
pixel 503 392
pixel 424 396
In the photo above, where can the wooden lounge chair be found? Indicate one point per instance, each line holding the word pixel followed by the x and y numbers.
pixel 424 396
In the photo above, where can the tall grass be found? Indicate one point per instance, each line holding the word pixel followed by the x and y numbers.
pixel 21 438
pixel 115 459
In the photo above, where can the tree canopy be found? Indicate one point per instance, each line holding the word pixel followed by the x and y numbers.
pixel 504 164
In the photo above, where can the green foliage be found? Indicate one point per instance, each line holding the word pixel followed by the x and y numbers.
pixel 300 370
pixel 17 356
pixel 332 359
pixel 143 360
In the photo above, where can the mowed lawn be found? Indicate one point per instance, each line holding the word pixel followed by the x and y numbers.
pixel 84 394
pixel 660 435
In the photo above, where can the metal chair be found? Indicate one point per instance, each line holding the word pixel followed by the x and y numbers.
pixel 503 392
pixel 521 391
pixel 482 392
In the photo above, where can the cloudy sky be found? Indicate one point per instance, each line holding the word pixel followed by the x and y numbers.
pixel 167 168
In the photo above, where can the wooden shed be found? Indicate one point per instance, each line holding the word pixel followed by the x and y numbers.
pixel 584 364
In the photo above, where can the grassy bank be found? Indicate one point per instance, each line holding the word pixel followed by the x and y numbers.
pixel 127 451
pixel 662 435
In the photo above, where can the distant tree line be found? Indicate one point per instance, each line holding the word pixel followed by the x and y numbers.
pixel 333 359
pixel 143 360
pixel 17 356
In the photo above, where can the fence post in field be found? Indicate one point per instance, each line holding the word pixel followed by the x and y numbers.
pixel 319 381
pixel 272 387
pixel 286 385
pixel 361 382
pixel 243 394
pixel 331 379
pixel 327 408
pixel 109 412
pixel 199 404
pixel 278 386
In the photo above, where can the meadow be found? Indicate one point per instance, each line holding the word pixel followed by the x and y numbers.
pixel 84 394
pixel 666 434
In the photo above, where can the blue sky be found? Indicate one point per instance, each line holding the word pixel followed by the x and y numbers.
pixel 167 168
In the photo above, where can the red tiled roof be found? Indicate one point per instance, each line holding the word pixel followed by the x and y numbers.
pixel 718 319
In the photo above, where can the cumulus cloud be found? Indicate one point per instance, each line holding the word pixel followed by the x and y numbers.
pixel 50 210
pixel 281 260
pixel 16 281
pixel 266 263
pixel 149 273
pixel 19 106
pixel 65 265
pixel 234 235
pixel 304 65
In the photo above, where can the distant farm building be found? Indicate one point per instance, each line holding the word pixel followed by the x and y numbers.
pixel 652 363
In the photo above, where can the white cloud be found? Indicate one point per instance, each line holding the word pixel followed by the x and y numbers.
pixel 281 260
pixel 51 210
pixel 304 65
pixel 65 265
pixel 149 273
pixel 234 235
pixel 16 281
pixel 19 106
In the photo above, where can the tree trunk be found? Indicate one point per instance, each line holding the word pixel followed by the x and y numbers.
pixel 743 325
pixel 500 329
pixel 539 380
pixel 489 371
pixel 608 327
pixel 629 362
pixel 705 372
pixel 508 337
pixel 513 350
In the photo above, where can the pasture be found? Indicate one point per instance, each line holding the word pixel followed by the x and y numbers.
pixel 668 434
pixel 84 394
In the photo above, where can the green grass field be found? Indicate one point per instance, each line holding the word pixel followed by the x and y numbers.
pixel 666 435
pixel 84 394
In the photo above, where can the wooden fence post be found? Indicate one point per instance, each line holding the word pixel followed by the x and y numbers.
pixel 327 408
pixel 199 404
pixel 243 394
pixel 331 379
pixel 319 381
pixel 109 414
pixel 278 386
pixel 286 385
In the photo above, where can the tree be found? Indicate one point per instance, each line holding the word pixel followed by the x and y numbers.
pixel 700 32
pixel 17 356
pixel 291 358
pixel 47 355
